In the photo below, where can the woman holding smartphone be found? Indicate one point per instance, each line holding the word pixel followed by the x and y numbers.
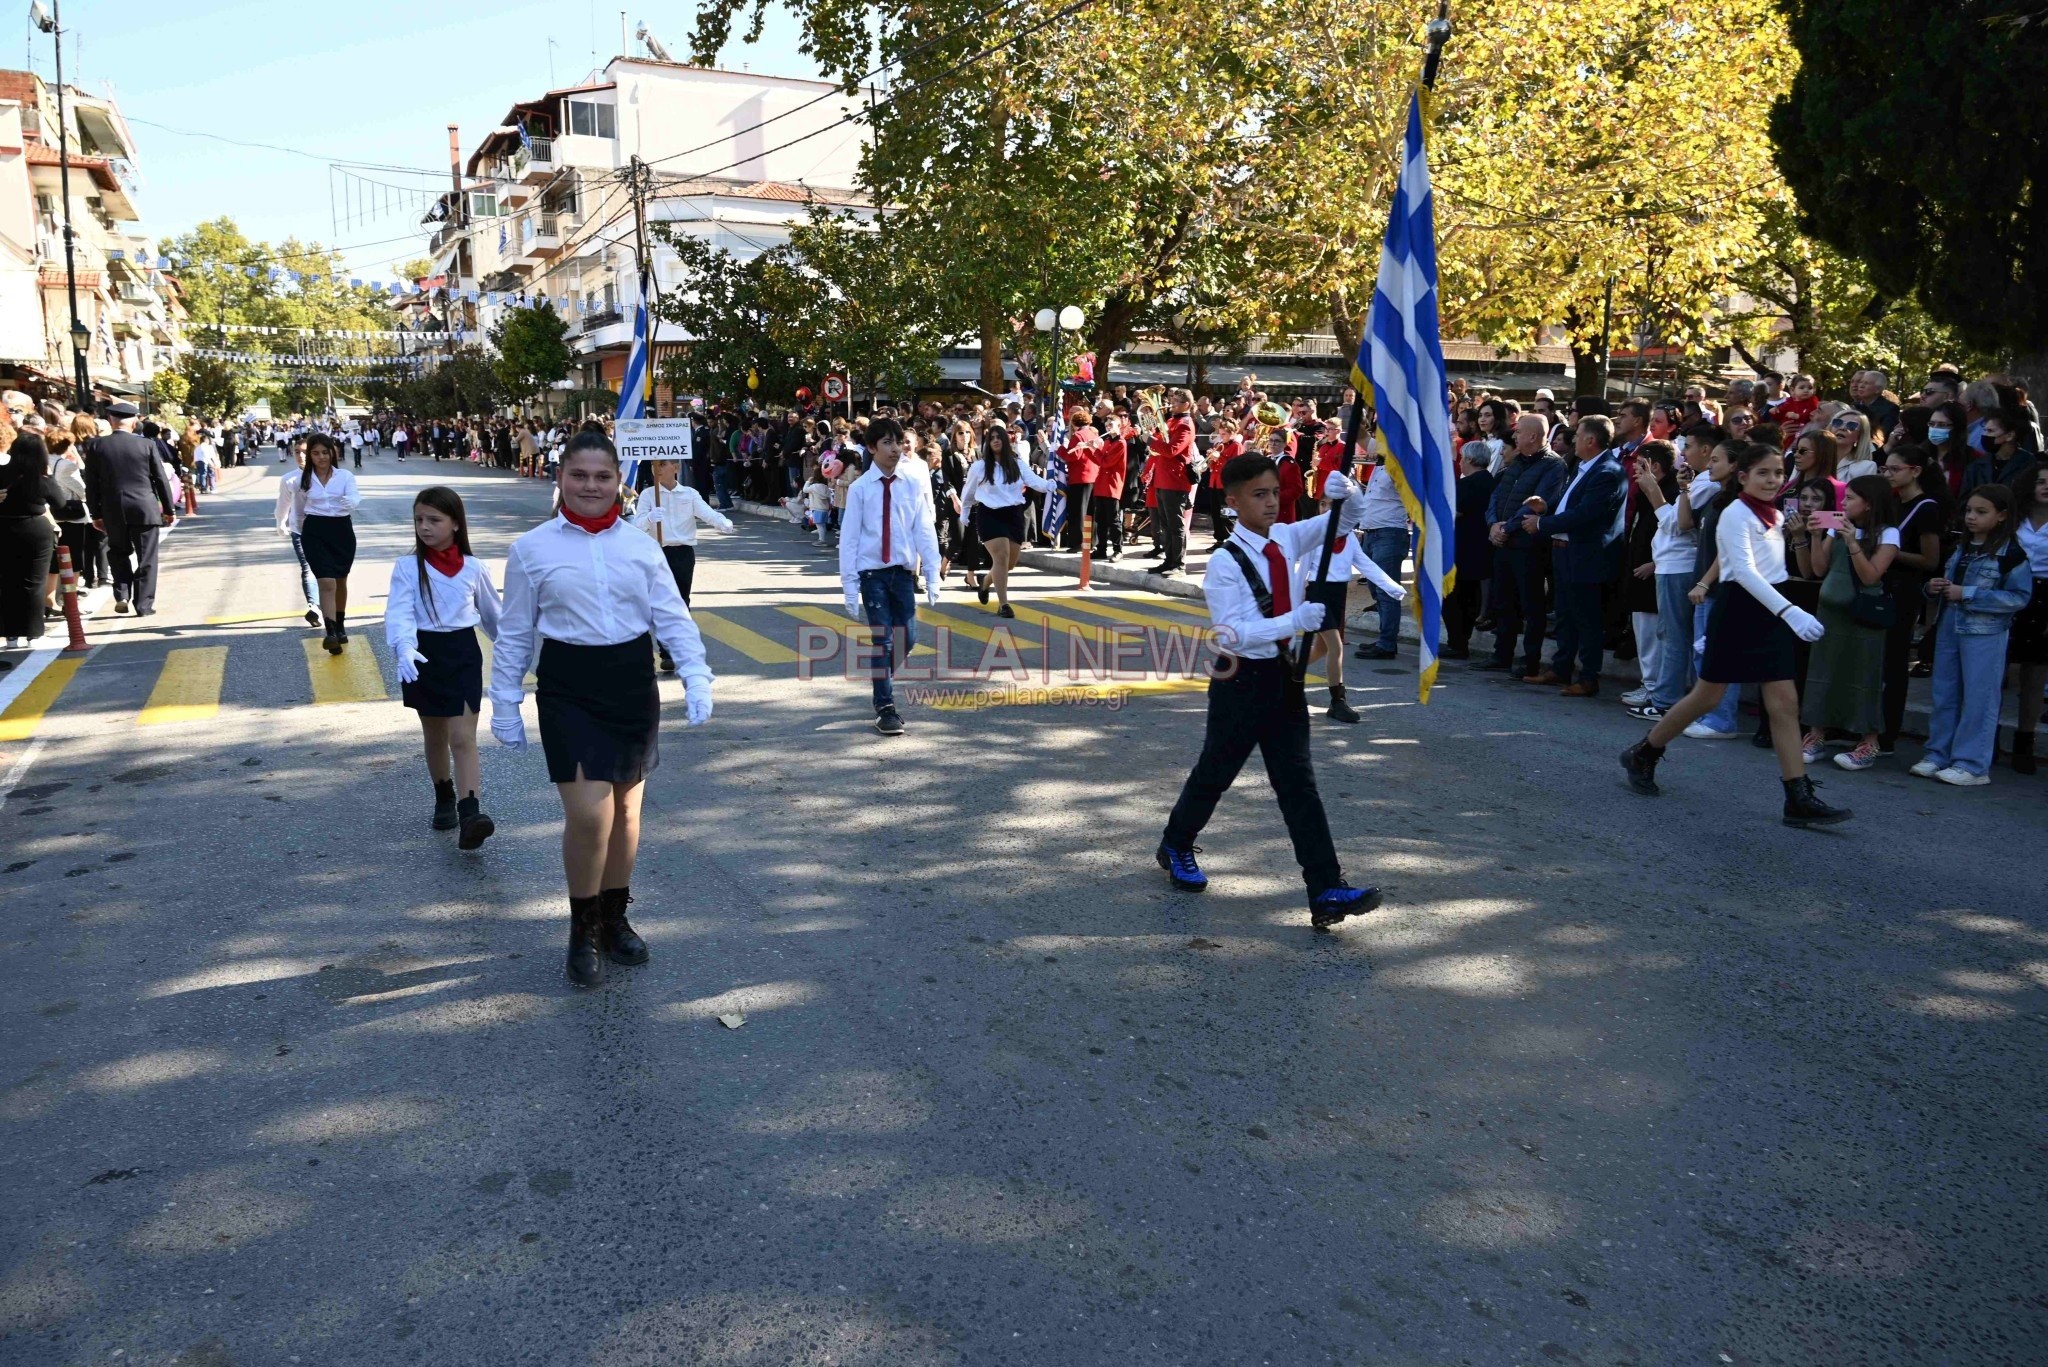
pixel 1853 550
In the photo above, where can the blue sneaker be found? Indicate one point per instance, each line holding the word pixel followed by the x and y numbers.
pixel 1181 867
pixel 1334 903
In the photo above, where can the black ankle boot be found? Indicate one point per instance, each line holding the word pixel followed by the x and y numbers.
pixel 476 823
pixel 620 943
pixel 332 642
pixel 444 806
pixel 2023 752
pixel 1802 808
pixel 1640 760
pixel 586 965
pixel 1339 709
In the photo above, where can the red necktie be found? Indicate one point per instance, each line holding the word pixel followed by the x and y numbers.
pixel 1276 570
pixel 887 480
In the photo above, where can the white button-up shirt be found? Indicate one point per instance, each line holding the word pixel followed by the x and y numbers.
pixel 913 533
pixel 467 600
pixel 997 490
pixel 338 497
pixel 1348 559
pixel 565 584
pixel 671 516
pixel 1752 555
pixel 1243 630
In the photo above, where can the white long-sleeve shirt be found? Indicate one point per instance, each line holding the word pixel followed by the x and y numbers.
pixel 467 600
pixel 1347 559
pixel 1234 608
pixel 671 516
pixel 338 497
pixel 1752 555
pixel 913 530
pixel 998 491
pixel 565 584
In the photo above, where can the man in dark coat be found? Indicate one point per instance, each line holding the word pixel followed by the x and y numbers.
pixel 130 501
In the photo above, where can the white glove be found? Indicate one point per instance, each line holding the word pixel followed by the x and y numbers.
pixel 1350 513
pixel 697 700
pixel 1338 485
pixel 1308 618
pixel 1804 624
pixel 931 595
pixel 510 729
pixel 853 611
pixel 409 662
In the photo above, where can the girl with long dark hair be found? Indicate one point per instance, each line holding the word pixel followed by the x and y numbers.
pixel 1923 499
pixel 323 511
pixel 440 595
pixel 1845 671
pixel 993 499
pixel 587 595
pixel 28 537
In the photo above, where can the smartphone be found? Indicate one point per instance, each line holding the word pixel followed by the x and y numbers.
pixel 1825 521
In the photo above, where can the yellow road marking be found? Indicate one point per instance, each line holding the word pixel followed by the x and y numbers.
pixel 1102 608
pixel 483 644
pixel 19 721
pixel 352 676
pixel 1052 694
pixel 860 637
pixel 953 617
pixel 1193 607
pixel 187 688
pixel 242 617
pixel 752 644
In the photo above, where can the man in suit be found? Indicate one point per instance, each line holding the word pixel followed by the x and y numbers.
pixel 130 501
pixel 1587 520
pixel 1521 560
pixel 1474 552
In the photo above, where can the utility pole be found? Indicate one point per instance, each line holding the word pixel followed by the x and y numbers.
pixel 640 181
pixel 51 23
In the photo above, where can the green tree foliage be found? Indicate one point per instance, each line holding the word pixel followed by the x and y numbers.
pixel 531 351
pixel 857 298
pixel 1927 161
pixel 724 304
pixel 466 383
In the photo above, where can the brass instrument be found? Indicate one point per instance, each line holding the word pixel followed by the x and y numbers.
pixel 1269 414
pixel 1151 410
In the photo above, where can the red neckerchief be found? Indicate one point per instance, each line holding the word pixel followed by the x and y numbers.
pixel 593 525
pixel 1766 513
pixel 448 560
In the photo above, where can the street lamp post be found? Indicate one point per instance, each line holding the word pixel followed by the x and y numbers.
pixel 48 22
pixel 1058 322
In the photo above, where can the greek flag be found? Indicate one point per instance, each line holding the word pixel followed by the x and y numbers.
pixel 1400 372
pixel 1054 435
pixel 633 387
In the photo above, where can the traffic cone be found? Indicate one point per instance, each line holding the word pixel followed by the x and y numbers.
pixel 67 579
pixel 1087 547
pixel 191 498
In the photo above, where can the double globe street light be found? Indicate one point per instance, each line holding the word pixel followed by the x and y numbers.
pixel 1058 322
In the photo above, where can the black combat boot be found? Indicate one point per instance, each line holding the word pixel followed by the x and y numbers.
pixel 586 964
pixel 1803 809
pixel 1339 709
pixel 1640 760
pixel 444 805
pixel 615 936
pixel 476 823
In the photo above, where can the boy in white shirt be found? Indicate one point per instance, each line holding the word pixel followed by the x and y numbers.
pixel 669 511
pixel 887 533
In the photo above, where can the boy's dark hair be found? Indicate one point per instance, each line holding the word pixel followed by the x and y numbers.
pixel 884 429
pixel 1242 470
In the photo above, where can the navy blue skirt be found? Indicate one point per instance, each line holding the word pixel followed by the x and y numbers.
pixel 452 679
pixel 600 711
pixel 330 545
pixel 1745 642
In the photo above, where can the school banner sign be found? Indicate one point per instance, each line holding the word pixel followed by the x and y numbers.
pixel 641 439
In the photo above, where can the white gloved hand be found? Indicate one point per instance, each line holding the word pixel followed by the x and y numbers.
pixel 1338 485
pixel 853 611
pixel 409 662
pixel 697 700
pixel 1804 625
pixel 1308 618
pixel 510 729
pixel 1350 513
pixel 931 595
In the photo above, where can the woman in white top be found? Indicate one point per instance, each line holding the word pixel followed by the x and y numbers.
pixel 583 595
pixel 439 595
pixel 993 499
pixel 288 526
pixel 323 514
pixel 1752 632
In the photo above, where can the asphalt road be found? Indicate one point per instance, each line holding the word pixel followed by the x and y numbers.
pixel 285 1078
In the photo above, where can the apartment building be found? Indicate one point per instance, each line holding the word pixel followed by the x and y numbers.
pixel 545 210
pixel 127 303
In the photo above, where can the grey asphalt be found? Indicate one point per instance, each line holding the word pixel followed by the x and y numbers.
pixel 285 1078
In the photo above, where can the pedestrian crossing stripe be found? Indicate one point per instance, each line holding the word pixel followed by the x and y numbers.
pixel 1049 622
pixel 187 687
pixel 752 644
pixel 1193 607
pixel 352 676
pixel 860 636
pixel 22 716
pixel 1103 608
pixel 483 645
pixel 959 626
pixel 1055 695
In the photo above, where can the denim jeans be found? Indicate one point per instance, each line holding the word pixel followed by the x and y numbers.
pixel 1725 714
pixel 889 598
pixel 721 484
pixel 1674 641
pixel 1387 547
pixel 1969 672
pixel 1579 630
pixel 306 580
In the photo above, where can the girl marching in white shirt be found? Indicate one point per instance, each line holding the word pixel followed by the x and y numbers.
pixel 1751 632
pixel 993 498
pixel 1347 559
pixel 288 526
pixel 583 595
pixel 669 511
pixel 323 507
pixel 439 595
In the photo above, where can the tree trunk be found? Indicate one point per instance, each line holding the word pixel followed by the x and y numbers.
pixel 1346 326
pixel 992 352
pixel 1111 333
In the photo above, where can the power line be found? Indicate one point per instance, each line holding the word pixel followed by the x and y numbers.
pixel 274 147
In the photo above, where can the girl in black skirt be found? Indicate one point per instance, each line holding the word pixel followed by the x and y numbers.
pixel 324 509
pixel 1752 634
pixel 588 595
pixel 439 596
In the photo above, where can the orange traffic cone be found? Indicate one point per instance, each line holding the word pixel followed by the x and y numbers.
pixel 67 579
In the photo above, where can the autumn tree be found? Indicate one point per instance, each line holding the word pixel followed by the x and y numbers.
pixel 532 352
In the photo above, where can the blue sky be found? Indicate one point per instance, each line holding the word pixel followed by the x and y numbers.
pixel 366 80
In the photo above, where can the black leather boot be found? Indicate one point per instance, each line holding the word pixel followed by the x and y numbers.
pixel 1339 709
pixel 476 823
pixel 586 964
pixel 1640 760
pixel 615 936
pixel 444 806
pixel 1802 808
pixel 2023 751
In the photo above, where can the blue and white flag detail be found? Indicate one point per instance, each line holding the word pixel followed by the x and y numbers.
pixel 633 386
pixel 1400 372
pixel 1054 435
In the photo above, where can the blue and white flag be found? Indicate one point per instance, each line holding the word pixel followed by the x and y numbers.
pixel 633 387
pixel 1054 435
pixel 1400 372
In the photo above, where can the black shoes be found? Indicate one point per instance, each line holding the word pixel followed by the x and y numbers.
pixel 1006 611
pixel 616 938
pixel 1334 903
pixel 1804 810
pixel 1372 650
pixel 889 722
pixel 476 823
pixel 1339 709
pixel 333 643
pixel 313 617
pixel 586 964
pixel 1490 665
pixel 981 591
pixel 445 818
pixel 1640 760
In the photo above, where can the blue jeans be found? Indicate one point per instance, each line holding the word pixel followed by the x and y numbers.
pixel 1725 714
pixel 889 598
pixel 1387 547
pixel 306 580
pixel 1674 633
pixel 1969 672
pixel 721 485
pixel 1579 632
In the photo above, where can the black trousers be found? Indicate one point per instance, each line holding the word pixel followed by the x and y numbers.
pixel 1078 497
pixel 1171 528
pixel 1260 706
pixel 132 550
pixel 1898 650
pixel 682 563
pixel 1580 628
pixel 1519 609
pixel 1109 527
pixel 1461 610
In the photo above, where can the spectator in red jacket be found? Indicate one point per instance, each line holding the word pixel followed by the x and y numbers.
pixel 1293 488
pixel 1796 410
pixel 1082 444
pixel 1174 479
pixel 1111 460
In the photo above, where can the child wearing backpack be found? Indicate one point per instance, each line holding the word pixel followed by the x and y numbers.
pixel 1987 582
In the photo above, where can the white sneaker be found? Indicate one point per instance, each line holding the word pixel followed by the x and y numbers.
pixel 1926 768
pixel 1699 730
pixel 1635 697
pixel 1962 778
